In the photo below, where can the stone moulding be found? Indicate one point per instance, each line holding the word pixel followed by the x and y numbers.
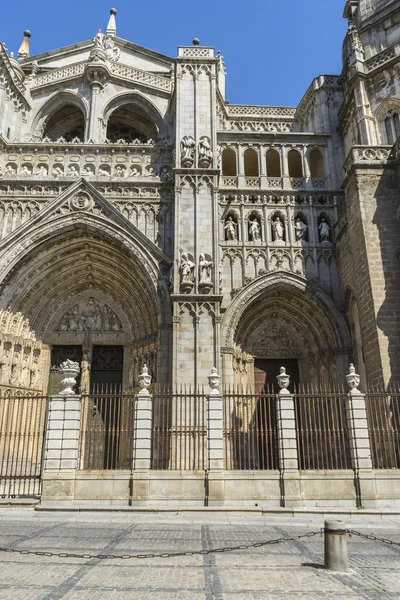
pixel 368 156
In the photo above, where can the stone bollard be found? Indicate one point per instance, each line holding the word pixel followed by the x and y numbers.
pixel 335 546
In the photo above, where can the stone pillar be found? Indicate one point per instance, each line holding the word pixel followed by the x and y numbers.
pixel 142 440
pixel 61 457
pixel 360 447
pixel 285 169
pixel 143 423
pixel 215 438
pixel 287 442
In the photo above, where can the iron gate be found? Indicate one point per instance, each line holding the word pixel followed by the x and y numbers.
pixel 22 430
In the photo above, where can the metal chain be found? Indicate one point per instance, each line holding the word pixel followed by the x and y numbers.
pixel 161 554
pixel 370 536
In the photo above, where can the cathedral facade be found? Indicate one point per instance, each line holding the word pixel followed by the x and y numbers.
pixel 146 220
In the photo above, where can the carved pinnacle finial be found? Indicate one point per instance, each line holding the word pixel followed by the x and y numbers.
pixel 23 51
pixel 196 42
pixel 111 30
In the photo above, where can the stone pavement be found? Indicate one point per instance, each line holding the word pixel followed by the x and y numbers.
pixel 289 569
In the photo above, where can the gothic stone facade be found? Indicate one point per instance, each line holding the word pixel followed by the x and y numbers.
pixel 140 210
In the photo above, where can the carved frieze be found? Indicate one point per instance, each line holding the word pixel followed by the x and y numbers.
pixel 91 314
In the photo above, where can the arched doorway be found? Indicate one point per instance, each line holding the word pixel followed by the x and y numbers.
pixel 283 320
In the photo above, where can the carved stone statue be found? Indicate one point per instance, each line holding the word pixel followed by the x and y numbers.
pixel 41 171
pixel 186 269
pixel 230 229
pixel 277 230
pixel 15 377
pixel 99 39
pixel 5 364
pixel 205 152
pixel 254 231
pixel 300 229
pixel 205 269
pixel 57 171
pixel 324 231
pixel 90 314
pixel 84 387
pixel 187 151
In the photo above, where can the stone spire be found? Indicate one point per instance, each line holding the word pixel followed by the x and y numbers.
pixel 111 30
pixel 23 51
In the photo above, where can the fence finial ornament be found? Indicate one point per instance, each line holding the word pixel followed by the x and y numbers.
pixel 70 371
pixel 283 381
pixel 353 380
pixel 213 380
pixel 144 380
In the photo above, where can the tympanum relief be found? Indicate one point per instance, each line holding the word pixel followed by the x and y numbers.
pixel 90 314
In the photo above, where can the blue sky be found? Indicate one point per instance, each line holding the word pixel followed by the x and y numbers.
pixel 272 49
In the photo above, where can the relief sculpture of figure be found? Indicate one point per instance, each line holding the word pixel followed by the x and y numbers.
pixel 254 231
pixel 15 377
pixel 324 231
pixel 230 229
pixel 277 230
pixel 300 229
pixel 5 364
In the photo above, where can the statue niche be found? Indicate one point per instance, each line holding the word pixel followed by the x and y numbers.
pixel 90 314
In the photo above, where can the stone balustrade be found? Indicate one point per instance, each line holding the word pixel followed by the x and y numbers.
pixel 367 156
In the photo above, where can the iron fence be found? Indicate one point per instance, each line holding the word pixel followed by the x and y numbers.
pixel 250 431
pixel 22 430
pixel 179 436
pixel 383 417
pixel 107 430
pixel 321 429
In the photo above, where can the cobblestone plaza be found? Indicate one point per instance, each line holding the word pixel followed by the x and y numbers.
pixel 287 570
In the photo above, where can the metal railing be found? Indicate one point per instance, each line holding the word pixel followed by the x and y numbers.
pixel 321 429
pixel 179 436
pixel 250 431
pixel 107 430
pixel 383 417
pixel 22 429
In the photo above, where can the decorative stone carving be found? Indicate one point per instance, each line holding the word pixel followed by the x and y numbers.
pixel 353 380
pixel 144 380
pixel 205 152
pixel 69 371
pixel 104 44
pixel 214 381
pixel 300 229
pixel 324 231
pixel 283 382
pixel 90 314
pixel 230 229
pixel 187 269
pixel 254 230
pixel 278 230
pixel 188 146
pixel 205 266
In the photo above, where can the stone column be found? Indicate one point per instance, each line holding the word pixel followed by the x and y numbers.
pixel 142 440
pixel 285 169
pixel 215 433
pixel 360 447
pixel 61 457
pixel 287 442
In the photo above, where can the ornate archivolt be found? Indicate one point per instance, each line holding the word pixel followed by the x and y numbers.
pixel 21 355
pixel 283 316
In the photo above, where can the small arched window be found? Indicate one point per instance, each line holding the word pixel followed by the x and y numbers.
pixel 273 163
pixel 229 168
pixel 295 164
pixel 251 163
pixel 388 117
pixel 317 169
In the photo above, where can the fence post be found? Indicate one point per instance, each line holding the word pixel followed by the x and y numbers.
pixel 214 482
pixel 61 452
pixel 142 439
pixel 360 447
pixel 287 442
